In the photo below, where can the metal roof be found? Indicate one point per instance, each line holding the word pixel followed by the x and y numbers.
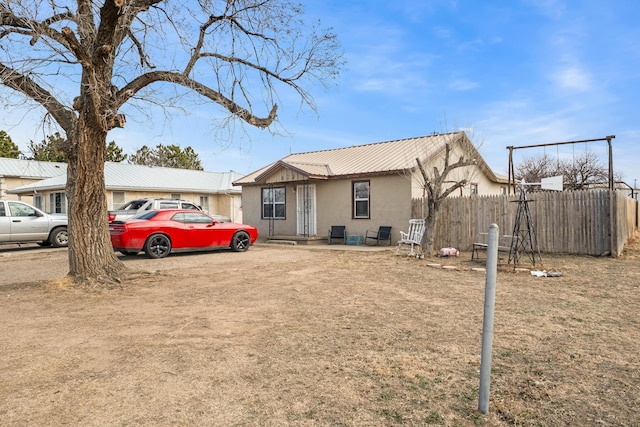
pixel 369 159
pixel 122 176
pixel 31 169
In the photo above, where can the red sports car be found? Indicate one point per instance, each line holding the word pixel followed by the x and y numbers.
pixel 160 232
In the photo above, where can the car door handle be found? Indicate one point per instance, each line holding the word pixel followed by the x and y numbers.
pixel 16 220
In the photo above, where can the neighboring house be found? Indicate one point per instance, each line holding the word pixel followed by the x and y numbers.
pixel 361 187
pixel 214 191
pixel 15 173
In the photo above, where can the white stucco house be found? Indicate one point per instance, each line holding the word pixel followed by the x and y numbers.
pixel 214 191
pixel 361 187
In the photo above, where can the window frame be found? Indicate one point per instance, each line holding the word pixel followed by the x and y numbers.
pixel 357 201
pixel 58 202
pixel 274 204
pixel 204 202
pixel 116 196
pixel 38 201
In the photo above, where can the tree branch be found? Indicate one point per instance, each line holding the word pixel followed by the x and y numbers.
pixel 34 28
pixel 268 72
pixel 198 47
pixel 76 48
pixel 20 83
pixel 133 87
pixel 433 185
pixel 144 60
pixel 104 41
pixel 85 22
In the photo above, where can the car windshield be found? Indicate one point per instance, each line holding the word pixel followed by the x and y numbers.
pixel 145 215
pixel 133 205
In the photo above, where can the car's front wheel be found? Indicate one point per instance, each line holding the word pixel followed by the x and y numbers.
pixel 59 237
pixel 240 241
pixel 157 246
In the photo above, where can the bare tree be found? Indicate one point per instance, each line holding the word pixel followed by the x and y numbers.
pixel 446 176
pixel 579 172
pixel 533 169
pixel 81 61
pixel 583 171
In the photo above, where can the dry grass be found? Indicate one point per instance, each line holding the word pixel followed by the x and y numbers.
pixel 292 336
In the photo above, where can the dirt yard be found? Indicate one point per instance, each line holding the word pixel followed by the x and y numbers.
pixel 295 336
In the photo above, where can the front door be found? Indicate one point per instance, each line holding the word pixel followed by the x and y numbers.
pixel 306 210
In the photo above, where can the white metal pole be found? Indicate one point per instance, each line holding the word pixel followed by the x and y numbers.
pixel 487 325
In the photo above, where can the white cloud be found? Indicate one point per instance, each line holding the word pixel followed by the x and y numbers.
pixel 573 78
pixel 462 85
pixel 443 33
pixel 553 9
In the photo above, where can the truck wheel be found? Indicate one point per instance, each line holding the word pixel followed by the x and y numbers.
pixel 157 246
pixel 59 237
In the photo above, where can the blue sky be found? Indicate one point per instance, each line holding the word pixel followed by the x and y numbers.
pixel 518 72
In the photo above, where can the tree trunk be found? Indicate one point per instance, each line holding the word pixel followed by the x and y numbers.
pixel 91 255
pixel 429 227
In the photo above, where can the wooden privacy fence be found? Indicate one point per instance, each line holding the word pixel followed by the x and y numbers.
pixel 591 222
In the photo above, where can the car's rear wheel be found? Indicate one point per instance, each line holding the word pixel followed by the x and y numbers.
pixel 240 241
pixel 59 237
pixel 157 246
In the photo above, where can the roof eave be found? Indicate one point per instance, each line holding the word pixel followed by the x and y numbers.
pixel 362 175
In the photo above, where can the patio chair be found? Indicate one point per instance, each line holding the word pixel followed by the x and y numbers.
pixel 410 241
pixel 382 235
pixel 338 232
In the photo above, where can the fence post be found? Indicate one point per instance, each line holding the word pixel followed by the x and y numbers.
pixel 487 324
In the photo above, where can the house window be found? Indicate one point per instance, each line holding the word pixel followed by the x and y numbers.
pixel 37 202
pixel 473 189
pixel 176 196
pixel 57 203
pixel 204 203
pixel 273 203
pixel 503 191
pixel 361 199
pixel 117 198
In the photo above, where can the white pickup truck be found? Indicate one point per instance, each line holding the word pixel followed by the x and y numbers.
pixel 137 206
pixel 22 223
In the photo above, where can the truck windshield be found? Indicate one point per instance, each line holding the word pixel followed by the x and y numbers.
pixel 133 205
